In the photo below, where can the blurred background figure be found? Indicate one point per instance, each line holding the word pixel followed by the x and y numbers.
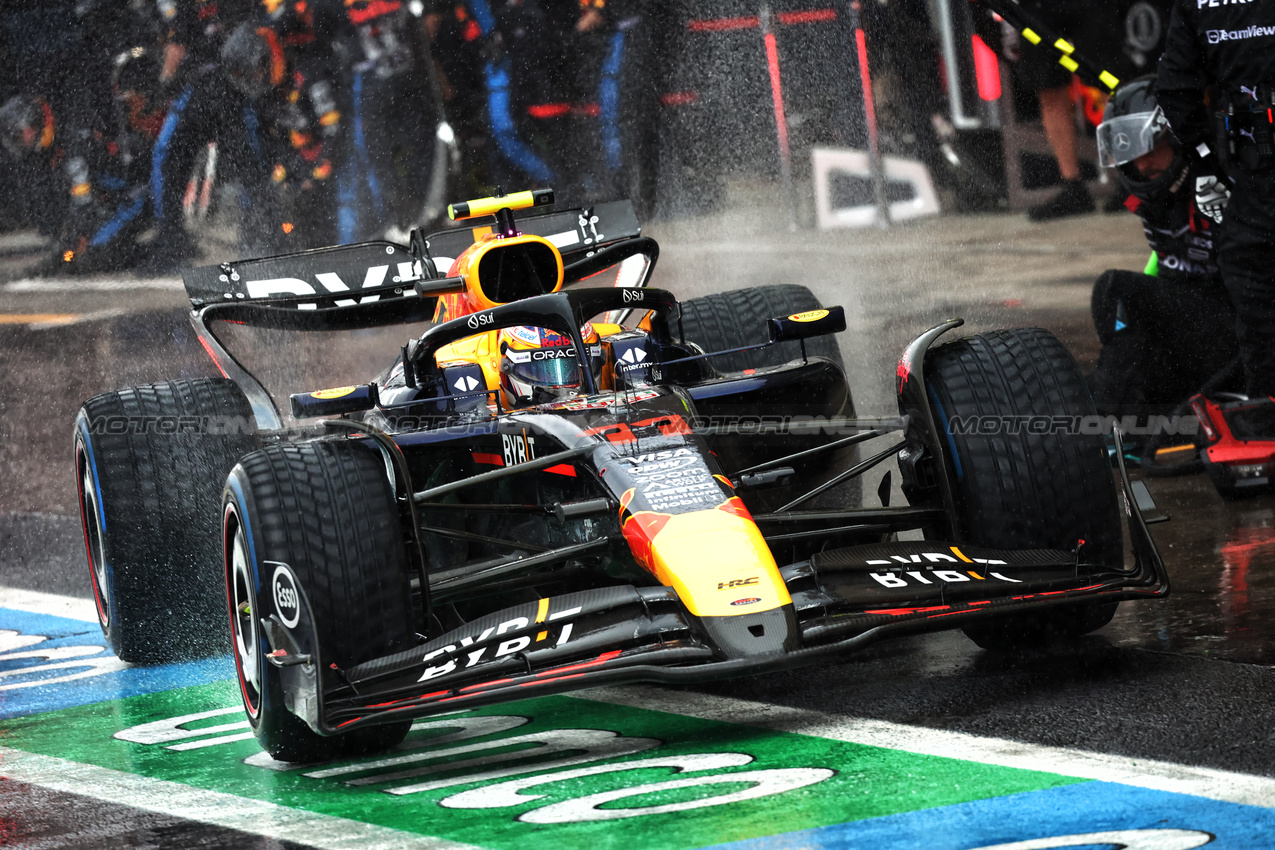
pixel 343 120
pixel 206 108
pixel 61 130
pixel 528 93
pixel 286 68
pixel 457 40
pixel 88 193
pixel 613 45
pixel 392 119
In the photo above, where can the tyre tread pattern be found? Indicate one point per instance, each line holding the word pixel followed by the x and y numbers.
pixel 161 481
pixel 326 509
pixel 1025 487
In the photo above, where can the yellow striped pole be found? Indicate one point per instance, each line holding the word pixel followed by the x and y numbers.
pixel 1039 34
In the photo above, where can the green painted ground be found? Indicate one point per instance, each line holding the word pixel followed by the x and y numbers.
pixel 803 781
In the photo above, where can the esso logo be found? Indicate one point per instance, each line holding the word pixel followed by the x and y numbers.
pixel 287 602
pixel 751 600
pixel 808 316
pixel 477 320
pixel 633 295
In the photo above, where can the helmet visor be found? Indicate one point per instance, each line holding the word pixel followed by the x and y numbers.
pixel 544 367
pixel 1123 139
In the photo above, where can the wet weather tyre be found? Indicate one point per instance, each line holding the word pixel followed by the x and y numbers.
pixel 150 465
pixel 1017 488
pixel 326 510
pixel 737 318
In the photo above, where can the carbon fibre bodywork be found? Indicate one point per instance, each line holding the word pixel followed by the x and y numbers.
pixel 649 528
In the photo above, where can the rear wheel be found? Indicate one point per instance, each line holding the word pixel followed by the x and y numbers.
pixel 325 513
pixel 150 463
pixel 1019 487
pixel 738 318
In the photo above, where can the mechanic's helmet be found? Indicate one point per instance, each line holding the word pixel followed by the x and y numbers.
pixel 1132 126
pixel 538 365
pixel 252 59
pixel 21 124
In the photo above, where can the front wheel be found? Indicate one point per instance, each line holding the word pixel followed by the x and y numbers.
pixel 1020 485
pixel 319 517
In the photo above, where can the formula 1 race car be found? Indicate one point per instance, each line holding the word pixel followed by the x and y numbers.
pixel 555 488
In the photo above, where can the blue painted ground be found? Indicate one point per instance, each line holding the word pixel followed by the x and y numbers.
pixel 1073 810
pixel 53 673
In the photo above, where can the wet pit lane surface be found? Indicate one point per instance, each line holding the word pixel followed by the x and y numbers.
pixel 36 818
pixel 1183 681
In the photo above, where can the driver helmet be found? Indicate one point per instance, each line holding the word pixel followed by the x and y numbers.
pixel 1132 126
pixel 539 365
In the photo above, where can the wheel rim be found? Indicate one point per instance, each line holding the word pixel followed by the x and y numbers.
pixel 93 540
pixel 244 623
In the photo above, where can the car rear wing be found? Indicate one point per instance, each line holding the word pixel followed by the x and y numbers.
pixel 368 272
pixel 376 284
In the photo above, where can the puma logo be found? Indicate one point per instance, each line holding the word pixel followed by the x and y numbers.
pixel 1248 133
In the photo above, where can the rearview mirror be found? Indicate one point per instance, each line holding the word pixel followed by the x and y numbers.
pixel 829 320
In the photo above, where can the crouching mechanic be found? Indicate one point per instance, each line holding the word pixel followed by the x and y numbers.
pixel 1169 329
pixel 79 187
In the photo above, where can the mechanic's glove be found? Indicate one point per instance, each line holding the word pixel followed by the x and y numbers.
pixel 1211 195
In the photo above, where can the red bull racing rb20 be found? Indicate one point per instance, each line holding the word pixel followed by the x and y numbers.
pixel 572 479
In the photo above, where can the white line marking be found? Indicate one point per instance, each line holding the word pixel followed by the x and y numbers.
pixel 211 742
pixel 1127 770
pixel 22 240
pixel 35 602
pixel 93 284
pixel 254 817
pixel 79 318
